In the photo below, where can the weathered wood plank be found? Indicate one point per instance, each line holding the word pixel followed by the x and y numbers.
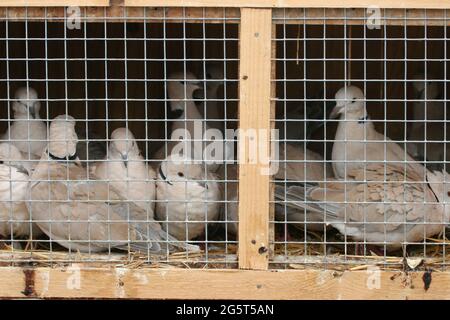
pixel 78 282
pixel 254 119
pixel 293 3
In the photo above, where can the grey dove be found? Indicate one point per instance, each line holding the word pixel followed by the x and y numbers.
pixel 357 143
pixel 27 132
pixel 127 171
pixel 87 215
pixel 188 197
pixel 384 205
pixel 183 91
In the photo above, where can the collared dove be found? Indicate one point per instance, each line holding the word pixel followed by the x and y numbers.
pixel 428 130
pixel 189 124
pixel 27 132
pixel 188 197
pixel 82 214
pixel 357 143
pixel 300 165
pixel 14 217
pixel 384 205
pixel 127 172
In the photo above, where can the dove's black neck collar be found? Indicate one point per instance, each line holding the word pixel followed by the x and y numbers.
pixel 70 158
pixel 161 173
pixel 364 119
pixel 432 191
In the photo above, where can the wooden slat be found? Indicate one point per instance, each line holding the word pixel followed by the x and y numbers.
pixel 72 282
pixel 273 76
pixel 311 16
pixel 254 114
pixel 293 3
pixel 54 3
pixel 332 16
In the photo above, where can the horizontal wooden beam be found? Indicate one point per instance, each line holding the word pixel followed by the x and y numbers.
pixel 146 283
pixel 54 3
pixel 311 16
pixel 411 4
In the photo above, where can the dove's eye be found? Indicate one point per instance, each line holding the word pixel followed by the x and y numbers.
pixel 448 192
pixel 1 161
pixel 180 174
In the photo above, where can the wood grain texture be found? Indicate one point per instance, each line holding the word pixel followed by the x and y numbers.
pixel 254 118
pixel 53 3
pixel 79 282
pixel 360 16
pixel 308 16
pixel 293 3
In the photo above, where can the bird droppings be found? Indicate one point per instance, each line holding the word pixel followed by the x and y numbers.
pixel 253 241
pixel 29 283
pixel 258 286
pixel 244 77
pixel 427 279
pixel 256 34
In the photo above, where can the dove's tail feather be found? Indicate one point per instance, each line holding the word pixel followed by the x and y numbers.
pixel 298 197
pixel 155 239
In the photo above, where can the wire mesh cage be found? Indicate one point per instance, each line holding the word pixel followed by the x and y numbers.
pixel 119 89
pixel 144 141
pixel 361 112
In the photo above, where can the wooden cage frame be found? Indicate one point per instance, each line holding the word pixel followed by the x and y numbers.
pixel 253 279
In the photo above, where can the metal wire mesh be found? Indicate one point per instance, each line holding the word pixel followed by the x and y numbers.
pixel 343 192
pixel 136 72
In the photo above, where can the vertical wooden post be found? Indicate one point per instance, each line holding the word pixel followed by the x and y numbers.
pixel 254 117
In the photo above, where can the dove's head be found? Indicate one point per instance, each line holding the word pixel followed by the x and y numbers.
pixel 425 89
pixel 177 168
pixel 349 101
pixel 26 104
pixel 63 138
pixel 183 87
pixel 123 145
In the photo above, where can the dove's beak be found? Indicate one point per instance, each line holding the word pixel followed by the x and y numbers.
pixel 203 184
pixel 125 159
pixel 337 111
pixel 32 111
